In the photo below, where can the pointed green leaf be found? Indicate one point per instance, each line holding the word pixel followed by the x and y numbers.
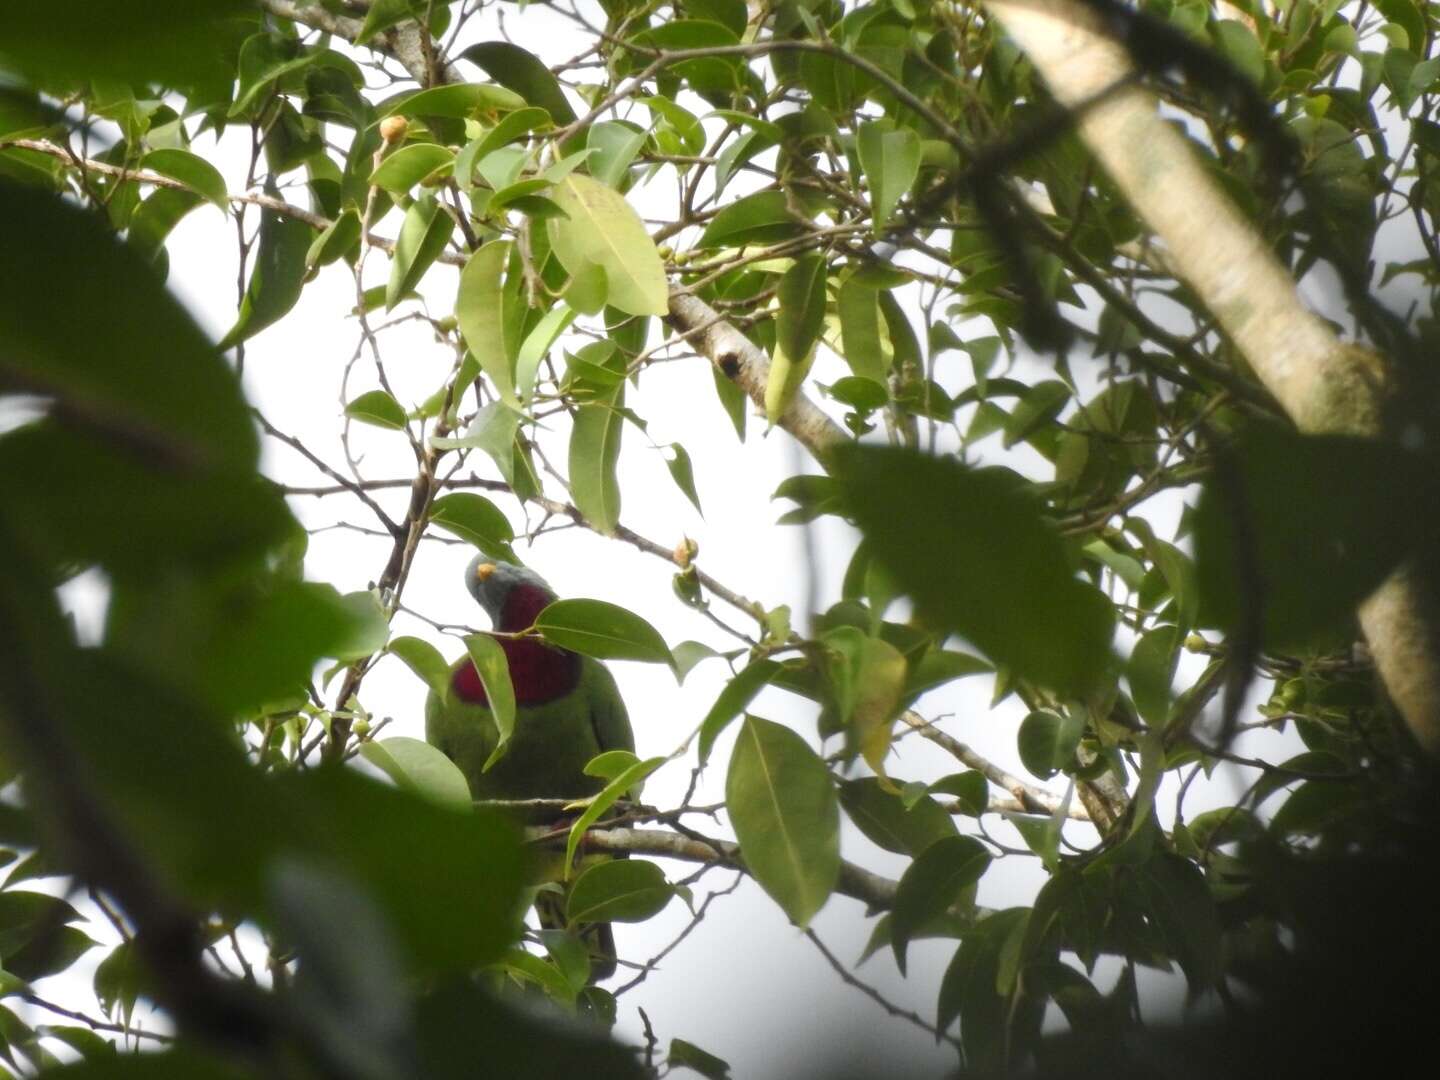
pixel 621 890
pixel 407 166
pixel 382 15
pixel 423 236
pixel 1151 672
pixel 737 694
pixel 518 123
pixel 689 1056
pixel 891 160
pixel 782 803
pixel 886 821
pixel 761 218
pixel 191 170
pixel 494 670
pixel 604 631
pixel 618 788
pixel 480 310
pixel 602 230
pixel 684 475
pixel 417 766
pixel 934 882
pixel 379 408
pixel 1047 741
pixel 1039 405
pixel 522 72
pixel 339 238
pixel 594 456
pixel 801 293
pixel 987 564
pixel 537 343
pixel 424 660
pixel 476 520
pixel 276 280
pixel 859 309
pixel 615 142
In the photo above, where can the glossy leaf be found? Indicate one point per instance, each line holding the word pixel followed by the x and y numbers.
pixel 683 473
pixel 883 817
pixel 801 294
pixel 733 699
pixel 1047 741
pixel 891 160
pixel 985 564
pixel 423 235
pixel 407 166
pixel 604 631
pixel 424 660
pixel 615 142
pixel 619 787
pixel 601 229
pixel 761 218
pixel 417 766
pixel 480 310
pixel 191 170
pixel 594 457
pixel 275 280
pixel 379 408
pixel 494 670
pixel 937 879
pixel 620 890
pixel 476 520
pixel 859 309
pixel 786 816
pixel 522 72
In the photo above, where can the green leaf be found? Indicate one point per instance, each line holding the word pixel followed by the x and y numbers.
pixel 936 667
pixel 619 890
pixel 602 230
pixel 476 520
pixel 1038 406
pixel 424 660
pixel 786 816
pixel 184 396
pixel 537 343
pixel 886 821
pixel 594 457
pixel 456 100
pixel 969 991
pixel 518 123
pixel 277 277
pixel 339 238
pixel 801 294
pixel 689 1056
pixel 1047 741
pixel 417 766
pixel 63 44
pixel 156 217
pixel 689 653
pixel 615 142
pixel 1178 902
pixel 736 695
pixel 985 564
pixel 1151 672
pixel 1298 529
pixel 522 72
pixel 382 15
pixel 602 630
pixel 480 310
pixel 402 169
pixel 969 787
pixel 891 160
pixel 859 309
pixel 379 408
pixel 683 475
pixel 423 236
pixel 191 170
pixel 618 788
pixel 494 670
pixel 937 880
pixel 761 218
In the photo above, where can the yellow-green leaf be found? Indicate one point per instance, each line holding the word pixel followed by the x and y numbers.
pixel 601 229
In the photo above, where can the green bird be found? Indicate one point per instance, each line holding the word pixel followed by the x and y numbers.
pixel 567 710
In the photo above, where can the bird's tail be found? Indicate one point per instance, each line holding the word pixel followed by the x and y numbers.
pixel 598 937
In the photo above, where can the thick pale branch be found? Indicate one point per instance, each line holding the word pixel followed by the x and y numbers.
pixel 1323 384
pixel 745 363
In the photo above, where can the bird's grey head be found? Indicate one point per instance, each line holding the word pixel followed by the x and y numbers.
pixel 490 583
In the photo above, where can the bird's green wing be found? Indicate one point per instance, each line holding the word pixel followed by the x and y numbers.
pixel 608 717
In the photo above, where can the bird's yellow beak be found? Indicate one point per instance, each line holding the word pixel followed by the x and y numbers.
pixel 483 571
